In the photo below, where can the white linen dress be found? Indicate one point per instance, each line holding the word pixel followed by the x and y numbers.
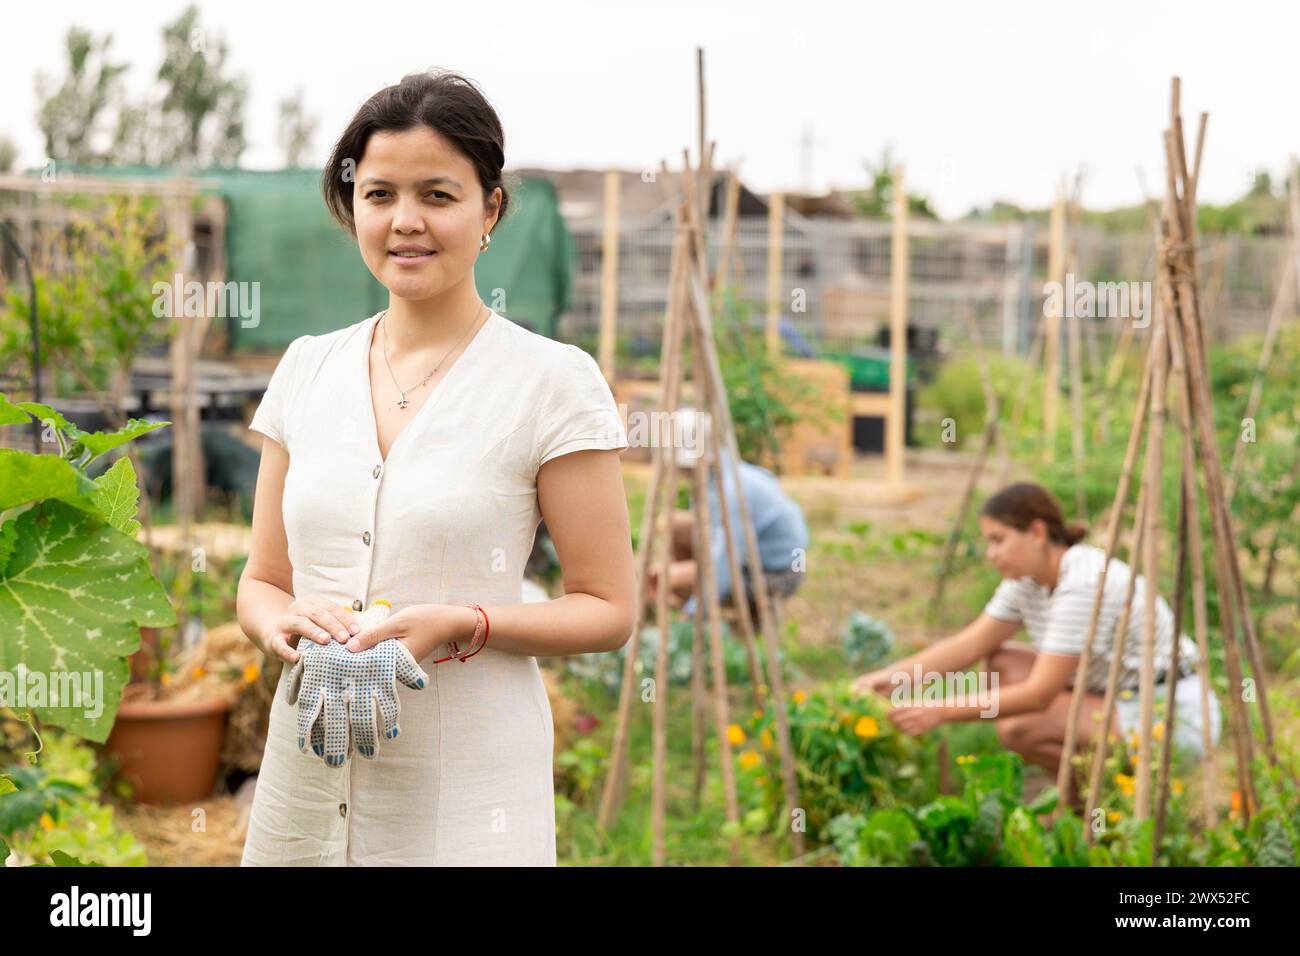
pixel 449 517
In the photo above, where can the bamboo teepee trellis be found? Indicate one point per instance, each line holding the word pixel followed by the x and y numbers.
pixel 689 312
pixel 1176 354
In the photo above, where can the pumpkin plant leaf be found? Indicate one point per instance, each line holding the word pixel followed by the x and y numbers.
pixel 118 496
pixel 74 594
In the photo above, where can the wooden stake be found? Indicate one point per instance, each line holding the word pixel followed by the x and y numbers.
pixel 896 424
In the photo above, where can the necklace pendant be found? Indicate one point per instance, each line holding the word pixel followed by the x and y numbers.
pixel 403 403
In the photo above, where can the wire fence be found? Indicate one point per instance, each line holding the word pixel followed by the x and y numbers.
pixel 836 280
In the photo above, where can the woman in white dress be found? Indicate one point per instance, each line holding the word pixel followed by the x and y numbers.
pixel 1049 586
pixel 410 457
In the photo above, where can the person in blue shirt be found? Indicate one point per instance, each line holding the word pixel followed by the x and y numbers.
pixel 778 521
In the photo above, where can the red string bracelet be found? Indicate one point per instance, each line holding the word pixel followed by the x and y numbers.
pixel 481 625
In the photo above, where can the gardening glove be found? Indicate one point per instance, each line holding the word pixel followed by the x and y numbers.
pixel 337 690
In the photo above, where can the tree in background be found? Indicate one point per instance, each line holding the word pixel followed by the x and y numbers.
pixel 875 202
pixel 296 130
pixel 72 111
pixel 205 106
pixel 196 117
pixel 8 153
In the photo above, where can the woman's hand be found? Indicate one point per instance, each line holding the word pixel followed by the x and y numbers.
pixel 874 682
pixel 311 616
pixel 916 720
pixel 421 627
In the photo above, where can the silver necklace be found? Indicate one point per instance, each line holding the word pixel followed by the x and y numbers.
pixel 404 402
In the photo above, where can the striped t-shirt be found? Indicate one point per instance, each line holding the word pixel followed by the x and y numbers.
pixel 1057 619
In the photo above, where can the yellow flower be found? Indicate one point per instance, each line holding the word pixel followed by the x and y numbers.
pixel 165 678
pixel 765 738
pixel 1177 786
pixel 1114 816
pixel 1158 731
pixel 800 697
pixel 250 673
pixel 749 760
pixel 47 821
pixel 867 727
pixel 1133 740
pixel 198 672
pixel 1125 784
pixel 735 735
pixel 1236 801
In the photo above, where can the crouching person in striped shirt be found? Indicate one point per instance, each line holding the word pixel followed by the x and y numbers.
pixel 1050 579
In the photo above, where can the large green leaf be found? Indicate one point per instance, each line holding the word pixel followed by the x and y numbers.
pixel 118 496
pixel 25 478
pixel 11 414
pixel 99 442
pixel 73 596
pixel 49 415
pixel 96 443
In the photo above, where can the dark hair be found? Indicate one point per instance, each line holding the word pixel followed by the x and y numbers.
pixel 449 104
pixel 1020 504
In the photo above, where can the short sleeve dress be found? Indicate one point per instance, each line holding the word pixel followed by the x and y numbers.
pixel 450 517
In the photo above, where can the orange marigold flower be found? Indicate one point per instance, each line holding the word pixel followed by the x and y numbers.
pixel 735 735
pixel 749 760
pixel 867 727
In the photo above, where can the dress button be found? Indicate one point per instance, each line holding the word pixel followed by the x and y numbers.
pixel 375 473
pixel 343 809
pixel 366 537
pixel 356 605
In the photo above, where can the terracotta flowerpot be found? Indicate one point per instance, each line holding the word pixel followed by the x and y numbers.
pixel 169 750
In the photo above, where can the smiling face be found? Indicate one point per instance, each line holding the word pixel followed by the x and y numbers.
pixel 1015 553
pixel 416 193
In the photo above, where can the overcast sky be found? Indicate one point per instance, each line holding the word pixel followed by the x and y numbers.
pixel 980 101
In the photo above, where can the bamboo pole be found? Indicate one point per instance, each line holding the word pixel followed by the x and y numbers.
pixel 728 249
pixel 1153 488
pixel 1118 643
pixel 714 614
pixel 775 252
pixel 896 425
pixel 721 411
pixel 609 276
pixel 1284 306
pixel 990 434
pixel 612 794
pixel 1181 264
pixel 1112 541
pixel 1052 331
pixel 663 613
pixel 1076 414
